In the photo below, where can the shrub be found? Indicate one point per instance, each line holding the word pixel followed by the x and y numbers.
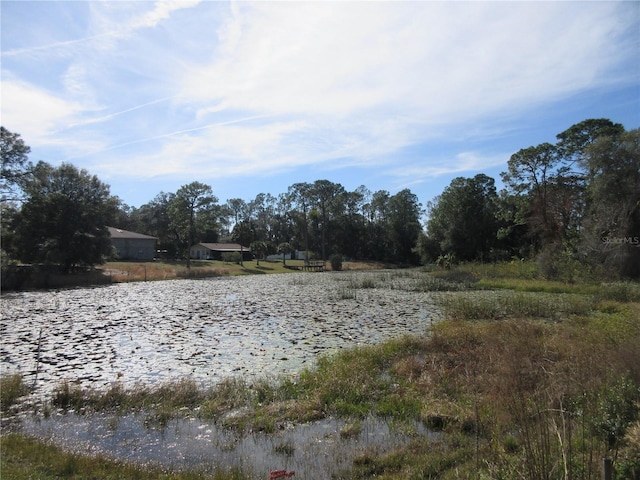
pixel 231 257
pixel 336 262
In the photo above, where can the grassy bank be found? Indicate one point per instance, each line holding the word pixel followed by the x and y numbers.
pixel 166 270
pixel 525 380
pixel 27 277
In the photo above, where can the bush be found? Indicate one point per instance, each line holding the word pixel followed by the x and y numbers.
pixel 555 264
pixel 336 262
pixel 232 257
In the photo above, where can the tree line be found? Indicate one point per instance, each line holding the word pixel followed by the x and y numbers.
pixel 573 202
pixel 571 205
pixel 320 218
pixel 59 215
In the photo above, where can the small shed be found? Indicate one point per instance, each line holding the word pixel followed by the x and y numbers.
pixel 132 245
pixel 214 251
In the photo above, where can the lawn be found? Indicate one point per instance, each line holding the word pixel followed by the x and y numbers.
pixel 167 270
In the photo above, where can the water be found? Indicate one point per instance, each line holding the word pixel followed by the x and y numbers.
pixel 207 330
pixel 312 450
pixel 204 329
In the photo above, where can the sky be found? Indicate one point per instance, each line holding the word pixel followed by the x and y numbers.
pixel 251 97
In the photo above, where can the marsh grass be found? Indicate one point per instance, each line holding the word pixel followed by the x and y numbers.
pixel 522 394
pixel 12 387
pixel 524 276
pixel 122 272
pixel 368 283
pixel 429 283
pixel 286 448
pixel 27 458
pixel 518 383
pixel 618 292
pixel 499 305
pixel 347 292
pixel 410 280
pixel 161 401
pixel 351 429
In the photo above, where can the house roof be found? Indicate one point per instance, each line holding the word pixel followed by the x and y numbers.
pixel 224 247
pixel 119 233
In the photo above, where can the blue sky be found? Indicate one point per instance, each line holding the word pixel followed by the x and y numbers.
pixel 253 97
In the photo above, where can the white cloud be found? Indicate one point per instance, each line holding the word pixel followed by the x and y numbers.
pixel 111 21
pixel 162 10
pixel 466 161
pixel 217 89
pixel 34 112
pixel 438 59
pixel 372 78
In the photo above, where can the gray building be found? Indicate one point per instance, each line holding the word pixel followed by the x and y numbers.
pixel 131 245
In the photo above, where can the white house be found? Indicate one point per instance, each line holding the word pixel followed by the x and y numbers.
pixel 214 251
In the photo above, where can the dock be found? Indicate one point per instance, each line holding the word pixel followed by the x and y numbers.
pixel 310 266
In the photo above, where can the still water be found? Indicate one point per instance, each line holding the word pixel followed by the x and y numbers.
pixel 205 329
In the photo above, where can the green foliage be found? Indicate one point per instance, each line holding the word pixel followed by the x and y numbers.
pixel 231 257
pixel 462 220
pixel 336 262
pixel 404 221
pixel 555 264
pixel 613 225
pixel 63 220
pixel 618 406
pixel 260 249
pixel 446 261
pixel 14 154
pixel 284 248
pixel 190 211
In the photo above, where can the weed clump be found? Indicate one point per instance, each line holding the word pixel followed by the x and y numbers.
pixel 12 387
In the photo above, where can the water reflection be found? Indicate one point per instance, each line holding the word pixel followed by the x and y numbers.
pixel 314 450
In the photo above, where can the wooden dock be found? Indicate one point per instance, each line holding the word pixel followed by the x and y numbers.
pixel 310 266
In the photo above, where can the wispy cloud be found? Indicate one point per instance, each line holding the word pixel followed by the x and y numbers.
pixel 463 162
pixel 179 133
pixel 371 79
pixel 34 111
pixel 113 115
pixel 227 89
pixel 113 27
pixel 162 11
pixel 55 45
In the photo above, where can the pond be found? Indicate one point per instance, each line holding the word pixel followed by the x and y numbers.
pixel 208 330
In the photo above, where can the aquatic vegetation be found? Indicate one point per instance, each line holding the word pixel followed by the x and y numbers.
pixel 511 382
pixel 12 387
